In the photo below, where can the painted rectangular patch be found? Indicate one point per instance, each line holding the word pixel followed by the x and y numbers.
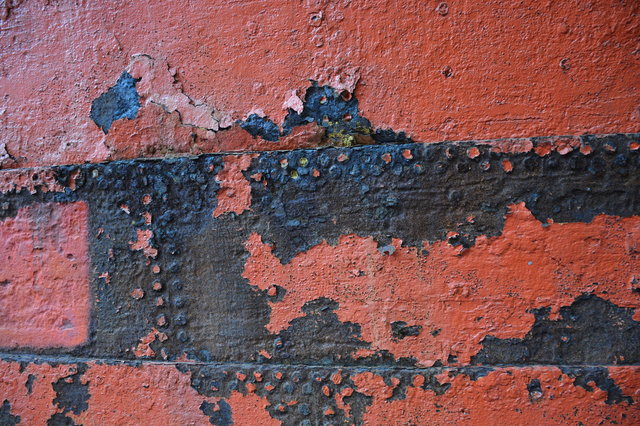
pixel 44 271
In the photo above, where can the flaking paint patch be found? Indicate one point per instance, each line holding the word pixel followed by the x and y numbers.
pixel 241 64
pixel 143 349
pixel 158 85
pixel 120 101
pixel 234 194
pixel 143 243
pixel 456 298
pixel 33 404
pixel 148 394
pixel 500 397
pixel 249 409
pixel 32 179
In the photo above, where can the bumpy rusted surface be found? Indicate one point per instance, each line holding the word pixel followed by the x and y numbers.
pixel 217 212
pixel 377 284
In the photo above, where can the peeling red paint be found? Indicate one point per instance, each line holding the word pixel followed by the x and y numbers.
pixel 148 394
pixel 34 407
pixel 492 71
pixel 30 179
pixel 500 397
pixel 480 97
pixel 234 194
pixel 487 290
pixel 144 349
pixel 44 276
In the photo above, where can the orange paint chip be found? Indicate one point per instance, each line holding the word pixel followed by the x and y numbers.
pixel 315 173
pixel 106 277
pixel 543 149
pixel 507 166
pixel 279 375
pixel 418 380
pixel 386 158
pixel 146 200
pixel 473 152
pixel 326 390
pixel 144 349
pixel 348 391
pixel 155 269
pixel 585 149
pixel 258 376
pixel 144 243
pixel 269 387
pixel 162 320
pixel 406 153
pixel 256 176
pixel 634 146
pixel 157 286
pixel 251 388
pixel 159 301
pixel 147 218
pixel 329 412
pixel 265 354
pixel 336 378
pixel 342 158
pixel 125 208
pixel 241 376
pixel 137 293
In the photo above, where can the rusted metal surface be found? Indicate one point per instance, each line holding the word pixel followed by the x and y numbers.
pixel 217 212
pixel 379 284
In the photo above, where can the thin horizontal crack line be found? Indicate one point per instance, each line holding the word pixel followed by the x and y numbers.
pixel 250 152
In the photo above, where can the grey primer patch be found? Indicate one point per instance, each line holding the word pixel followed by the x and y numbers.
pixel 71 394
pixel 6 418
pixel 585 377
pixel 120 101
pixel 400 330
pixel 336 112
pixel 590 331
pixel 218 416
